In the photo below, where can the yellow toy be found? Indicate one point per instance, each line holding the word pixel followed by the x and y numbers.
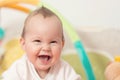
pixel 12 53
pixel 117 58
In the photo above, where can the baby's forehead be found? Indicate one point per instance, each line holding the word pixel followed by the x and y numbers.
pixel 41 16
pixel 50 22
pixel 40 19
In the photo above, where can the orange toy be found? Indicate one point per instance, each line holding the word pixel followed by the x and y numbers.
pixel 6 2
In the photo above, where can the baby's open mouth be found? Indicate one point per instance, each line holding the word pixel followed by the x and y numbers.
pixel 44 58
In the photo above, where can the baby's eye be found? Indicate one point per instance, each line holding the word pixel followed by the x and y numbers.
pixel 53 42
pixel 36 41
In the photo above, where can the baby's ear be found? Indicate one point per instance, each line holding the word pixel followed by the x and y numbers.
pixel 22 42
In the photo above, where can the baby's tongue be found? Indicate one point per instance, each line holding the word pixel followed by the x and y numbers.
pixel 44 59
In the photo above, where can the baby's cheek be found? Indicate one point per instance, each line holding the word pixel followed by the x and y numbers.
pixel 118 78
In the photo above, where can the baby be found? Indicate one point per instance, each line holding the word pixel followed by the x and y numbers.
pixel 43 40
pixel 112 71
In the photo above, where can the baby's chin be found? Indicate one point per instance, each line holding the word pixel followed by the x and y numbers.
pixel 43 68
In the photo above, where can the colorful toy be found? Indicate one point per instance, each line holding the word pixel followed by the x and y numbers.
pixel 2 33
pixel 3 3
pixel 117 58
pixel 67 26
pixel 13 52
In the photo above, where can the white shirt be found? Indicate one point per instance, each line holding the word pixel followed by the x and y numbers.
pixel 22 69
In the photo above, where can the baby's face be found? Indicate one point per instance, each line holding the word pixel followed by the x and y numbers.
pixel 43 41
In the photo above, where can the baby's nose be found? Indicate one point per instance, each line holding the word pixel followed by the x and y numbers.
pixel 46 47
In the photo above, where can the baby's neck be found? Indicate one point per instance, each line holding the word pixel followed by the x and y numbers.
pixel 43 73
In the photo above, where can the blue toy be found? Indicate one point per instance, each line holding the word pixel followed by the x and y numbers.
pixel 2 33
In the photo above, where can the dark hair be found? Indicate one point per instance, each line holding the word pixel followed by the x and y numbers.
pixel 40 11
